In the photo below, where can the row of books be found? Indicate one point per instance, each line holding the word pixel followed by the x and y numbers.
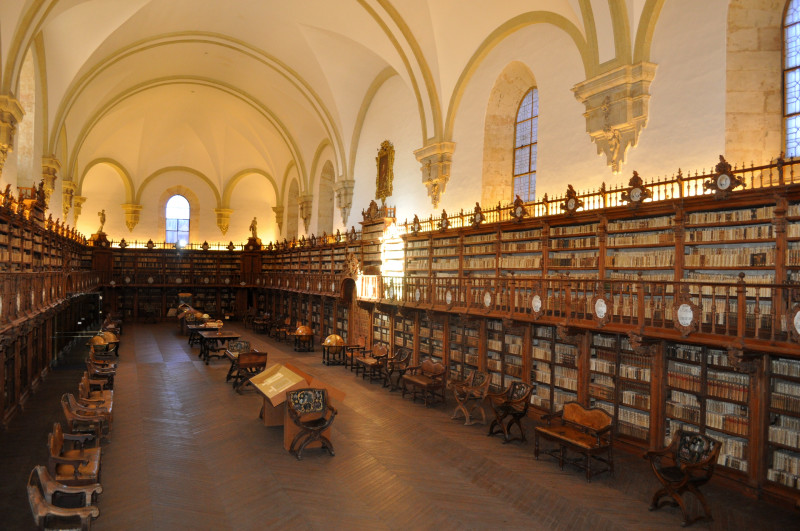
pixel 754 232
pixel 727 216
pixel 641 238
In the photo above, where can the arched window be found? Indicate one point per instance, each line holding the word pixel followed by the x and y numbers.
pixel 791 77
pixel 525 134
pixel 178 214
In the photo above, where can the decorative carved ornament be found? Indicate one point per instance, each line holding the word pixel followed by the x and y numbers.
pixel 518 210
pixel 416 226
pixel 487 300
pixel 537 303
pixel 352 266
pixel 278 210
pixel 305 202
pixel 477 216
pixel 742 361
pixel 571 202
pixel 617 104
pixel 223 218
pixel 11 114
pixel 602 308
pixel 343 189
pixel 687 313
pixel 640 346
pixel 444 223
pixel 723 181
pixel 637 192
pixel 385 164
pixel 563 334
pixel 372 213
pixel 436 160
pixel 50 168
pixel 133 211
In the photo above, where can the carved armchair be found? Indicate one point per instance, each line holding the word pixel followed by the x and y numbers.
pixel 55 505
pixel 310 410
pixel 430 378
pixel 94 389
pixel 232 352
pixel 247 365
pixel 351 352
pixel 686 464
pixel 101 373
pixel 370 361
pixel 80 419
pixel 509 407
pixel 395 367
pixel 470 395
pixel 78 465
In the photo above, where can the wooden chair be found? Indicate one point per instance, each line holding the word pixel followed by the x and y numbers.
pixel 351 352
pixel 686 464
pixel 509 407
pixel 232 352
pixel 94 389
pixel 310 410
pixel 79 465
pixel 429 377
pixel 470 395
pixel 84 420
pixel 58 506
pixel 101 373
pixel 247 365
pixel 370 361
pixel 397 366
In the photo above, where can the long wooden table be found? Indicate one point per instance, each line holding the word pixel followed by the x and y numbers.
pixel 208 340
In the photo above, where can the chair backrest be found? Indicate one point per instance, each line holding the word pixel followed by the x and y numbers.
pixel 432 368
pixel 55 441
pixel 594 418
pixel 379 350
pixel 307 400
pixel 402 357
pixel 253 360
pixel 694 448
pixel 239 346
pixel 480 380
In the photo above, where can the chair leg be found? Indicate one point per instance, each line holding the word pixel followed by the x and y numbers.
pixel 702 499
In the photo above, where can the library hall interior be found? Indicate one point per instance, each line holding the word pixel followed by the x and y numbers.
pixel 400 264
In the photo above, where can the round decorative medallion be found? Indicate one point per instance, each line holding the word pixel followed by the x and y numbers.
pixel 487 299
pixel 796 322
pixel 227 281
pixel 519 211
pixel 723 181
pixel 308 285
pixel 390 292
pixel 127 280
pixel 333 286
pixel 536 303
pixel 113 282
pixel 600 308
pixel 19 302
pixel 448 297
pixel 636 194
pixel 417 294
pixel 572 203
pixel 177 280
pixel 205 280
pixel 685 315
pixel 319 285
pixel 242 283
pixel 150 280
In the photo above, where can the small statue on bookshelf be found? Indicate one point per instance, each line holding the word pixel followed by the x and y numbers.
pixel 102 215
pixel 254 228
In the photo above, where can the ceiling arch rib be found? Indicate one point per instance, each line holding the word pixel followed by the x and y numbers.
pixel 127 182
pixel 279 127
pixel 183 169
pixel 233 181
pixel 291 80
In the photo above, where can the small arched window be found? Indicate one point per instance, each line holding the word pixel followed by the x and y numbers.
pixel 178 215
pixel 525 134
pixel 791 77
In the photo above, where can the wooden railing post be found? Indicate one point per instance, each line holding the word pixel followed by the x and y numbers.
pixel 741 306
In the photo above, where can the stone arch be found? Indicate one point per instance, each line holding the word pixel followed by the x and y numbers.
pixel 511 85
pixel 124 176
pixel 191 171
pixel 231 185
pixel 28 174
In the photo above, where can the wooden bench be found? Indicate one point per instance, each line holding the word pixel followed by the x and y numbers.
pixel 430 377
pixel 585 431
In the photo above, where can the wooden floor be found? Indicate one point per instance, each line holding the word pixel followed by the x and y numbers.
pixel 190 453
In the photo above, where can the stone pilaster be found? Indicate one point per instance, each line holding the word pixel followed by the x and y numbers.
pixel 11 114
pixel 223 218
pixel 617 104
pixel 132 212
pixel 436 160
pixel 305 202
pixel 344 196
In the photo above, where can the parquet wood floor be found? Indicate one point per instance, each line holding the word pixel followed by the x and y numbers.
pixel 190 453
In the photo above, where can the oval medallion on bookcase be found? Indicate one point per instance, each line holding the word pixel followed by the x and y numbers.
pixel 793 319
pixel 537 304
pixel 417 295
pixel 449 298
pixel 687 313
pixel 602 309
pixel 487 300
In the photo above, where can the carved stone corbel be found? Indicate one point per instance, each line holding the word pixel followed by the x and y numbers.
pixel 616 103
pixel 223 219
pixel 67 190
pixel 132 212
pixel 436 160
pixel 343 188
pixel 50 168
pixel 77 206
pixel 11 114
pixel 278 210
pixel 305 202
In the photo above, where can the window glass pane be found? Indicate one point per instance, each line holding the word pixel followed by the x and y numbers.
pixel 521 157
pixel 183 225
pixel 792 36
pixel 792 135
pixel 793 91
pixel 177 207
pixel 793 13
pixel 535 104
pixel 172 224
pixel 523 133
pixel 525 108
pixel 172 236
pixel 533 158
